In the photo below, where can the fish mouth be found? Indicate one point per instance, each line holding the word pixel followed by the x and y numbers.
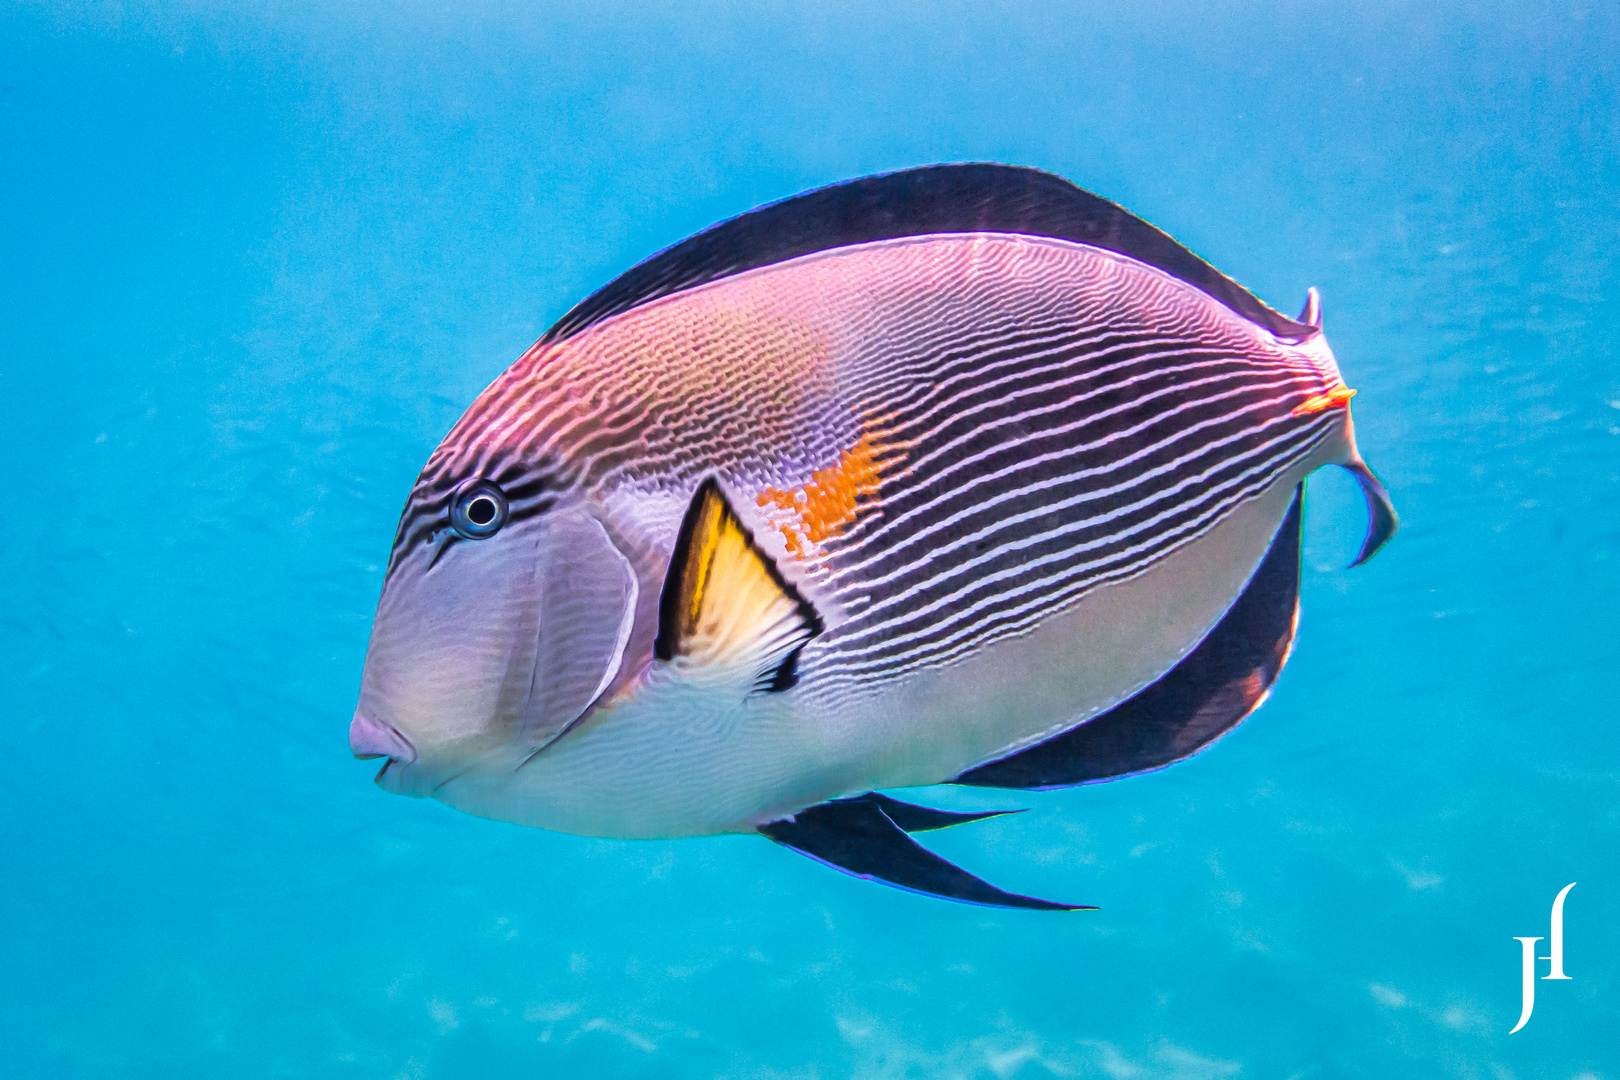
pixel 371 738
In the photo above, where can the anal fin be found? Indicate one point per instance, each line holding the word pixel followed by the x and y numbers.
pixel 1223 680
pixel 859 837
pixel 725 605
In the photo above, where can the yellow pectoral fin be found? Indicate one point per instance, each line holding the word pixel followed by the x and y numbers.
pixel 725 604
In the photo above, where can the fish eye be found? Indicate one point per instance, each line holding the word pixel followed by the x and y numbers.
pixel 478 509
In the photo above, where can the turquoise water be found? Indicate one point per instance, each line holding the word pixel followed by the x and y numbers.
pixel 257 259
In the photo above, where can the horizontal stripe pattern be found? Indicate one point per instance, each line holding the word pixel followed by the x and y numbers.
pixel 1050 455
pixel 1059 418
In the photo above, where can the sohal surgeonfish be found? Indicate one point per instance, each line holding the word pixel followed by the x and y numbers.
pixel 954 475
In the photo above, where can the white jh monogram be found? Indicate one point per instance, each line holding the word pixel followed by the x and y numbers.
pixel 1556 957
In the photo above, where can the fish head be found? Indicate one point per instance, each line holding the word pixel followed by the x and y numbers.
pixel 504 616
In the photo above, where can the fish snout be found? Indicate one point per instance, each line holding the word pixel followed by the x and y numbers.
pixel 369 738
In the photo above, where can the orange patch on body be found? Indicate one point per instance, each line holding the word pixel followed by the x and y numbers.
pixel 831 500
pixel 1328 400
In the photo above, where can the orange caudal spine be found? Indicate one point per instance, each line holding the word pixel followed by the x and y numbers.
pixel 1319 402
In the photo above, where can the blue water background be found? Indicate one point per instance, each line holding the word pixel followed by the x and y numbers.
pixel 256 259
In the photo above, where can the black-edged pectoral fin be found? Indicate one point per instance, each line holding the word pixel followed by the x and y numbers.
pixel 859 838
pixel 1381 519
pixel 725 605
pixel 1223 679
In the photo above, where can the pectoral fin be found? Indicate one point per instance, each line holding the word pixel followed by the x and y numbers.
pixel 860 837
pixel 725 605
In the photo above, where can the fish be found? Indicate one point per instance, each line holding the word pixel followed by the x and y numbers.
pixel 954 475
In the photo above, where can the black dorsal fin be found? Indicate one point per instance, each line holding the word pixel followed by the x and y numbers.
pixel 916 202
pixel 1220 682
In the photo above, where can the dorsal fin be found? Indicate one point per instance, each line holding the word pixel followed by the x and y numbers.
pixel 725 604
pixel 967 198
